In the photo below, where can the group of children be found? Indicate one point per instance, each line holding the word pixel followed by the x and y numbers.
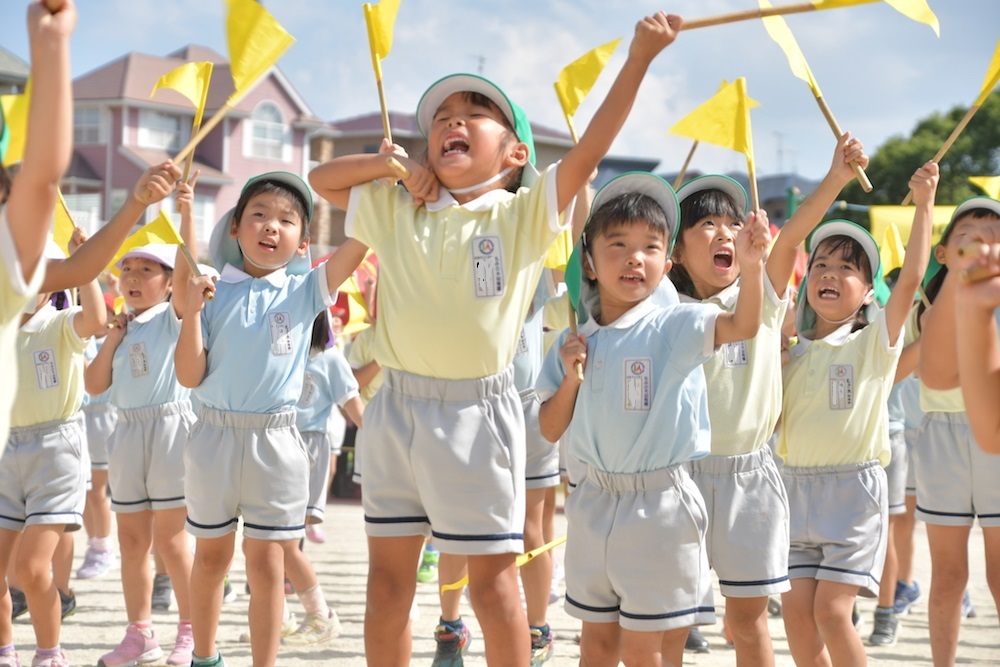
pixel 666 397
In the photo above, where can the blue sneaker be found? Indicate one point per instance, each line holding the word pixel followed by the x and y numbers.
pixel 906 596
pixel 968 611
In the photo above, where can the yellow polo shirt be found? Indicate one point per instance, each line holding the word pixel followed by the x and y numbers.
pixel 360 354
pixel 836 392
pixel 15 294
pixel 50 368
pixel 455 281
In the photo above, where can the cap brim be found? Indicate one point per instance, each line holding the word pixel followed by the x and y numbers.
pixel 647 184
pixel 292 182
pixel 852 230
pixel 224 249
pixel 719 182
pixel 441 89
pixel 161 253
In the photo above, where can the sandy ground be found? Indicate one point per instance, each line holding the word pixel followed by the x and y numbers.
pixel 341 564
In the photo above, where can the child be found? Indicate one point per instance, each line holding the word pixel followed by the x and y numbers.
pixel 956 480
pixel 834 437
pixel 244 355
pixel 747 509
pixel 461 251
pixel 145 456
pixel 42 474
pixel 639 415
pixel 27 207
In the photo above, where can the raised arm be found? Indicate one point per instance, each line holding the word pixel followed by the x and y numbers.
pixel 182 272
pixel 556 413
pixel 342 264
pixel 751 248
pixel 190 355
pixel 781 261
pixel 48 145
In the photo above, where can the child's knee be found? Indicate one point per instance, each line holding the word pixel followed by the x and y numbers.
pixel 34 574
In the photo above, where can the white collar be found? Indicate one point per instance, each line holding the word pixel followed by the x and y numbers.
pixel 40 318
pixel 726 297
pixel 483 202
pixel 231 274
pixel 836 338
pixel 625 321
pixel 150 313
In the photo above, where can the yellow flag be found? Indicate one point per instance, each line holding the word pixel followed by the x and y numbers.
pixel 992 77
pixel 902 217
pixel 724 120
pixel 15 112
pixel 988 184
pixel 559 252
pixel 577 78
pixel 256 41
pixel 62 230
pixel 891 249
pixel 380 20
pixel 782 34
pixel 190 80
pixel 119 305
pixel 161 230
pixel 358 315
pixel 918 10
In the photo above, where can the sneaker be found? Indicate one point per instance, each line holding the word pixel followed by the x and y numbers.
pixel 906 596
pixel 774 606
pixel 856 619
pixel 452 644
pixel 968 611
pixel 315 534
pixel 314 631
pixel 19 603
pixel 541 645
pixel 428 566
pixel 67 602
pixel 228 592
pixel 886 626
pixel 139 647
pixel 217 661
pixel 58 660
pixel 10 659
pixel 183 646
pixel 696 642
pixel 288 626
pixel 163 592
pixel 96 564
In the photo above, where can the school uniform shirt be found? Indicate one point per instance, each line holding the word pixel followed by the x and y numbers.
pixel 643 404
pixel 528 356
pixel 744 378
pixel 836 393
pixel 142 369
pixel 328 379
pixel 50 367
pixel 89 354
pixel 455 281
pixel 257 333
pixel 360 354
pixel 15 294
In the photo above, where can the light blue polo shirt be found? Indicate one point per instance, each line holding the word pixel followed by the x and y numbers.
pixel 908 390
pixel 643 405
pixel 328 380
pixel 93 347
pixel 897 409
pixel 142 370
pixel 529 355
pixel 257 333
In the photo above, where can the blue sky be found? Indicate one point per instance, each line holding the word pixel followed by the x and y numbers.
pixel 879 71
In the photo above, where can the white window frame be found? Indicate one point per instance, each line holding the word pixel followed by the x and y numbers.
pixel 265 136
pixel 162 131
pixel 90 132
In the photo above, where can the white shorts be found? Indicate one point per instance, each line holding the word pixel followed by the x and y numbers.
pixel 956 480
pixel 747 522
pixel 336 428
pixel 250 465
pixel 911 435
pixel 445 458
pixel 838 524
pixel 896 473
pixel 636 551
pixel 146 457
pixel 318 448
pixel 100 419
pixel 42 476
pixel 541 465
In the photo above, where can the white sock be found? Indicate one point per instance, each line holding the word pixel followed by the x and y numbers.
pixel 314 601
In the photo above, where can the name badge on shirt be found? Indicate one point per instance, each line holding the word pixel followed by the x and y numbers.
pixel 638 384
pixel 735 354
pixel 45 368
pixel 841 387
pixel 522 345
pixel 137 359
pixel 308 390
pixel 281 333
pixel 487 266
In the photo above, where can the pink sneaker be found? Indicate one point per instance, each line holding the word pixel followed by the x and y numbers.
pixel 183 646
pixel 315 534
pixel 58 660
pixel 139 647
pixel 10 659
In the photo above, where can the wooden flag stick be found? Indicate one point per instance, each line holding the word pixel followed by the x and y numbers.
pixel 684 167
pixel 752 175
pixel 859 172
pixel 385 110
pixel 750 14
pixel 947 144
pixel 402 172
pixel 205 129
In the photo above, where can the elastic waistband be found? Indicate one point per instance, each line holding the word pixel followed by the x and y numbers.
pixel 439 389
pixel 949 417
pixel 22 433
pixel 528 395
pixel 149 412
pixel 734 464
pixel 247 420
pixel 845 470
pixel 624 482
pixel 102 406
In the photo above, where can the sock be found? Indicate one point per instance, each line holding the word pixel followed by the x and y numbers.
pixel 544 629
pixel 48 652
pixel 143 625
pixel 7 650
pixel 286 613
pixel 102 544
pixel 314 601
pixel 211 660
pixel 881 611
pixel 457 624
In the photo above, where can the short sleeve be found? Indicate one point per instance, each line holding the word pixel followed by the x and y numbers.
pixel 540 205
pixel 68 334
pixel 372 209
pixel 690 331
pixel 553 371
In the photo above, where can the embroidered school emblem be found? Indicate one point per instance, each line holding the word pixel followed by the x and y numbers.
pixel 487 267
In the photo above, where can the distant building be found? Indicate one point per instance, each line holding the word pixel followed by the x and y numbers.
pixel 13 73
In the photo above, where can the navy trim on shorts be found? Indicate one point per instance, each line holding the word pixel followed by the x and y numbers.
pixel 988 516
pixel 274 528
pixel 528 479
pixel 966 515
pixel 838 569
pixel 478 538
pixel 672 614
pixel 207 526
pixel 760 582
pixel 69 512
pixel 10 518
pixel 585 607
pixel 130 502
pixel 166 500
pixel 397 519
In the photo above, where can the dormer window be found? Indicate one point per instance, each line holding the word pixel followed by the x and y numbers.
pixel 162 131
pixel 266 134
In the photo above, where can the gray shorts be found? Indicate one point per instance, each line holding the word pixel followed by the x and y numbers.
pixel 636 551
pixel 911 435
pixel 318 448
pixel 249 464
pixel 146 457
pixel 445 458
pixel 541 465
pixel 747 522
pixel 100 419
pixel 42 476
pixel 838 524
pixel 896 473
pixel 956 480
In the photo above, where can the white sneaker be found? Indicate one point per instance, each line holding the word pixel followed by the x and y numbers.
pixel 96 564
pixel 315 630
